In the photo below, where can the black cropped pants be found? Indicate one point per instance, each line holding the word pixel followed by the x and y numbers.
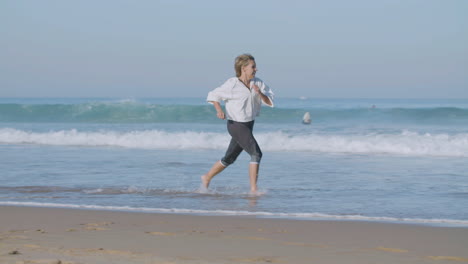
pixel 242 139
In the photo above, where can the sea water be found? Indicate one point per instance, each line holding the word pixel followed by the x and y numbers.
pixel 397 160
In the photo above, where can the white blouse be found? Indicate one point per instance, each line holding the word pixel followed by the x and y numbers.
pixel 242 103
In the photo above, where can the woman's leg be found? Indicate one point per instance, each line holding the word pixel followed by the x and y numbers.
pixel 232 152
pixel 242 139
pixel 253 174
pixel 242 134
pixel 231 155
pixel 217 168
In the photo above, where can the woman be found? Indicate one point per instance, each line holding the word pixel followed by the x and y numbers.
pixel 243 95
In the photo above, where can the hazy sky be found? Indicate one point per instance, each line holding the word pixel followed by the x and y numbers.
pixel 172 48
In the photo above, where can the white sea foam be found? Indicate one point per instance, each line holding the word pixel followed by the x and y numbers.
pixel 146 139
pixel 304 216
pixel 404 143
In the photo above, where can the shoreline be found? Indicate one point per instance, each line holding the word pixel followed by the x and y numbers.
pixel 49 235
pixel 449 223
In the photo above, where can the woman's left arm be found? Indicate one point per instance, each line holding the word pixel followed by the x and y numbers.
pixel 266 99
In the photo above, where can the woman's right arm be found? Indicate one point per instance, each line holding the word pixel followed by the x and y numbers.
pixel 222 93
pixel 219 110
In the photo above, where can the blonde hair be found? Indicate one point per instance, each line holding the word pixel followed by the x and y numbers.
pixel 242 61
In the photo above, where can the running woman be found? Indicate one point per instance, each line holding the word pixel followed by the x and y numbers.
pixel 243 96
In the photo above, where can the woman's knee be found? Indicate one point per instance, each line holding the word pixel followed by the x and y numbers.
pixel 256 156
pixel 226 161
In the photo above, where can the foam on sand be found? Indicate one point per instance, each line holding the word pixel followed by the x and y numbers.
pixel 304 216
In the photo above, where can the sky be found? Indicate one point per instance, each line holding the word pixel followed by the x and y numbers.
pixel 174 48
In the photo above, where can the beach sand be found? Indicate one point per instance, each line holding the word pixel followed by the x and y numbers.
pixel 51 235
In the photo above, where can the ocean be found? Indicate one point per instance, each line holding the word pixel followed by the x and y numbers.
pixel 384 160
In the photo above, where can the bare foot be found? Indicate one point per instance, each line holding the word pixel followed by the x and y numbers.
pixel 255 194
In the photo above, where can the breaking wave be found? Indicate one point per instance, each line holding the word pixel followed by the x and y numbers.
pixel 403 143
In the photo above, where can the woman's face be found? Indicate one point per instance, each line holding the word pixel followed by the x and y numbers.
pixel 250 70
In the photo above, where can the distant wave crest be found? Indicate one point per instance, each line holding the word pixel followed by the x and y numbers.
pixel 128 111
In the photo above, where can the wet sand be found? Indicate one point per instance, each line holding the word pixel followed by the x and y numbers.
pixel 50 235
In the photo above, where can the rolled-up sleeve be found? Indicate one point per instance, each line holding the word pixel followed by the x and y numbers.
pixel 222 93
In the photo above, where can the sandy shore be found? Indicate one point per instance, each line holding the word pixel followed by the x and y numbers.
pixel 48 235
